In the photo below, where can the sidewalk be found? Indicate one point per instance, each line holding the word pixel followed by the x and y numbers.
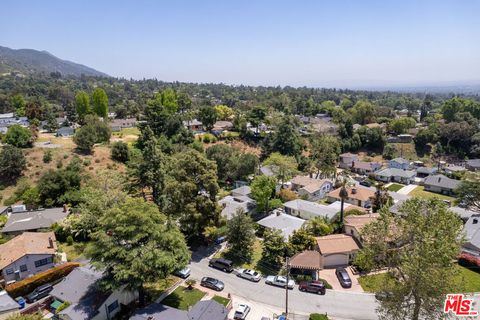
pixel 407 189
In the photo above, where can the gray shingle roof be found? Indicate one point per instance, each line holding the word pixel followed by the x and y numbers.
pixel 394 172
pixel 202 310
pixel 7 303
pixel 208 310
pixel 400 160
pixel 464 214
pixel 472 231
pixel 474 163
pixel 283 222
pixel 77 284
pixel 439 180
pixel 32 220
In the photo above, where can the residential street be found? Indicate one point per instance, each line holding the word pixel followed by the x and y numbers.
pixel 341 305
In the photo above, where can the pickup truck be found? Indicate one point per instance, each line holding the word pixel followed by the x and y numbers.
pixel 280 281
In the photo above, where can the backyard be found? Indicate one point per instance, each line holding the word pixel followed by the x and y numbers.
pixel 183 298
pixel 421 193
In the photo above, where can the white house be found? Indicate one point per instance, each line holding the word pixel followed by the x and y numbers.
pixel 346 160
pixel 396 175
pixel 310 188
pixel 399 163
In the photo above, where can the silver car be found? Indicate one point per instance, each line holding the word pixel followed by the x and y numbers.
pixel 241 312
pixel 184 273
pixel 249 274
pixel 280 281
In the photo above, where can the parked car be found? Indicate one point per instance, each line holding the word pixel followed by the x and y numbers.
pixel 222 264
pixel 343 277
pixel 184 273
pixel 249 274
pixel 365 183
pixel 280 281
pixel 241 312
pixel 312 286
pixel 21 302
pixel 212 283
pixel 39 293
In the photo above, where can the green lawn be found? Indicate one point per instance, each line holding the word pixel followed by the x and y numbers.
pixel 395 187
pixel 241 262
pixel 373 283
pixel 74 251
pixel 127 131
pixel 182 298
pixel 421 193
pixel 155 289
pixel 221 300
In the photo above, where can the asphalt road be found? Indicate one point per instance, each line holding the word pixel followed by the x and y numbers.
pixel 343 305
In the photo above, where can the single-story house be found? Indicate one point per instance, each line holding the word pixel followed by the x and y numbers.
pixel 26 255
pixel 87 300
pixel 473 164
pixel 242 191
pixel 34 220
pixel 441 184
pixel 358 196
pixel 397 175
pixel 471 230
pixel 399 163
pixel 286 223
pixel 220 126
pixel 354 224
pixel 423 172
pixel 119 124
pixel 193 125
pixel 337 249
pixel 8 306
pixel 65 132
pixel 306 262
pixel 308 210
pixel 454 169
pixel 231 204
pixel 463 213
pixel 202 310
pixel 365 168
pixel 346 160
pixel 312 189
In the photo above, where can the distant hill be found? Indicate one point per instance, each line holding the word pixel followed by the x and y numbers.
pixel 28 61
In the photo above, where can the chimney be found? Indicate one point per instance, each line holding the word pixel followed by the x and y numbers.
pixel 50 242
pixel 354 190
pixel 65 208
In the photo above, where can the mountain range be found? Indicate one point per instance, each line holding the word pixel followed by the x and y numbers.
pixel 29 61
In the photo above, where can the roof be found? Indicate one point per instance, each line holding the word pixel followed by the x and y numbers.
pixel 286 223
pixel 463 213
pixel 358 222
pixel 77 284
pixel 245 190
pixel 336 243
pixel 400 160
pixel 427 170
pixel 366 165
pixel 373 125
pixel 363 194
pixel 193 122
pixel 6 115
pixel 472 230
pixel 7 303
pixel 123 122
pixel 348 154
pixel 395 172
pixel 398 196
pixel 231 204
pixel 473 163
pixel 454 168
pixel 439 180
pixel 223 125
pixel 32 220
pixel 267 171
pixel 26 243
pixel 202 310
pixel 309 184
pixel 208 310
pixel 309 259
pixel 312 207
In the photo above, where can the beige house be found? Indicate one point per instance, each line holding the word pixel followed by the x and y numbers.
pixel 310 188
pixel 358 196
pixel 337 249
pixel 354 224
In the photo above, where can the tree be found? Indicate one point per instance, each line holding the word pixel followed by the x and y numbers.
pixel 418 248
pixel 223 155
pixel 184 101
pixel 346 104
pixel 274 247
pixel 285 139
pixel 224 112
pixel 31 198
pixel 299 241
pixel 19 136
pixel 120 152
pixel 54 184
pixel 263 189
pixel 169 100
pixel 401 125
pixel 12 163
pixel 33 110
pixel 363 112
pixel 381 198
pixel 100 103
pixel 324 155
pixel 82 105
pixel 136 244
pixel 256 116
pixel 85 139
pixel 319 226
pixel 18 103
pixel 208 116
pixel 284 167
pixel 241 235
pixel 468 194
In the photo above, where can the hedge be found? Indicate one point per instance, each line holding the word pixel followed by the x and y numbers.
pixel 27 285
pixel 318 316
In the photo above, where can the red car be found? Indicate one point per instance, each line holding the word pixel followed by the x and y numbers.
pixel 312 286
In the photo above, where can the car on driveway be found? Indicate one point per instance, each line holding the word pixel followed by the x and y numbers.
pixel 222 264
pixel 365 183
pixel 184 273
pixel 241 312
pixel 312 286
pixel 343 277
pixel 212 283
pixel 249 274
pixel 39 293
pixel 280 281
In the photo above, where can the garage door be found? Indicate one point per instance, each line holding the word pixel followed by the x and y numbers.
pixel 335 260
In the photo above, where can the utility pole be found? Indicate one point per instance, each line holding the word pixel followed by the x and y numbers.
pixel 286 288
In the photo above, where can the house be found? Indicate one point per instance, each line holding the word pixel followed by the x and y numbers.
pixel 244 191
pixel 441 184
pixel 267 171
pixel 354 224
pixel 463 213
pixel 65 132
pixel 193 125
pixel 323 126
pixel 423 172
pixel 358 196
pixel 202 310
pixel 308 210
pixel 397 175
pixel 220 126
pixel 399 163
pixel 8 306
pixel 365 168
pixel 119 124
pixel 346 160
pixel 337 249
pixel 374 125
pixel 306 262
pixel 286 223
pixel 26 255
pixel 473 164
pixel 34 220
pixel 310 188
pixel 453 169
pixel 231 204
pixel 471 229
pixel 87 300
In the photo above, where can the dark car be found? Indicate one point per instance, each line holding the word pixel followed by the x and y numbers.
pixel 212 283
pixel 365 183
pixel 312 286
pixel 343 277
pixel 222 264
pixel 39 293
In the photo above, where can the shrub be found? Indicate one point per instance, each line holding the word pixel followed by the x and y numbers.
pixel 47 156
pixel 206 138
pixel 27 285
pixel 287 195
pixel 19 136
pixel 120 152
pixel 70 240
pixel 318 316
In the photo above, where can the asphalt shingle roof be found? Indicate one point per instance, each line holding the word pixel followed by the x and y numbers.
pixel 439 180
pixel 32 220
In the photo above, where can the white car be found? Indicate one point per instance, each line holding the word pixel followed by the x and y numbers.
pixel 280 281
pixel 249 274
pixel 241 312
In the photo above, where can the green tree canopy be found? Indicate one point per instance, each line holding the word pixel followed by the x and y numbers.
pixel 208 116
pixel 12 163
pixel 100 103
pixel 299 241
pixel 324 155
pixel 284 167
pixel 82 105
pixel 169 100
pixel 274 247
pixel 241 235
pixel 363 112
pixel 18 103
pixel 286 139
pixel 263 189
pixel 19 136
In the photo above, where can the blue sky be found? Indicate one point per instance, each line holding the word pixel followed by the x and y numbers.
pixel 313 43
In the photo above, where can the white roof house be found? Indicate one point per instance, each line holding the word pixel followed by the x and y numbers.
pixel 286 223
pixel 308 210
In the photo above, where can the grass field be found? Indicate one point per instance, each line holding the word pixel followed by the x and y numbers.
pixel 421 193
pixel 395 187
pixel 221 300
pixel 373 283
pixel 183 298
pixel 74 251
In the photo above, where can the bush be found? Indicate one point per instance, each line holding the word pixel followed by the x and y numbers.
pixel 287 195
pixel 47 156
pixel 318 316
pixel 120 152
pixel 206 138
pixel 19 136
pixel 27 285
pixel 12 163
pixel 70 240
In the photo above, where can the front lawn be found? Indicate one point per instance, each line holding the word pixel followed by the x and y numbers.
pixel 153 290
pixel 421 193
pixel 395 187
pixel 183 298
pixel 241 262
pixel 373 283
pixel 221 300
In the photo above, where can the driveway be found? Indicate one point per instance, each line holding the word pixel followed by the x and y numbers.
pixel 407 189
pixel 340 304
pixel 329 275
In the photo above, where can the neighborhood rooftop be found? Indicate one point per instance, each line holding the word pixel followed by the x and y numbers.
pixel 32 220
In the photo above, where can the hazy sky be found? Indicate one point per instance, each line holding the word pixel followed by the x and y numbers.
pixel 312 43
